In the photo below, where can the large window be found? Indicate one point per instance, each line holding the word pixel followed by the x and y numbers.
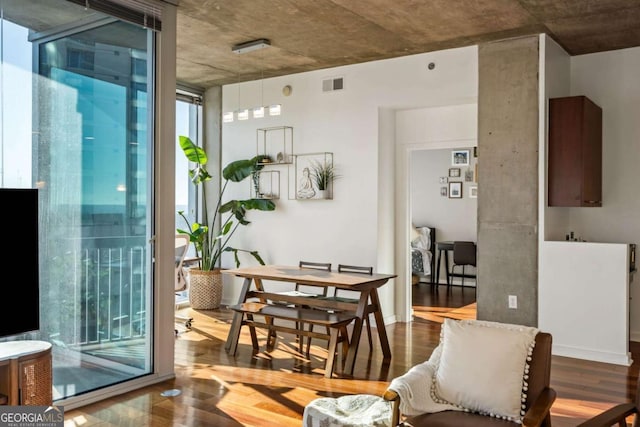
pixel 76 123
pixel 188 123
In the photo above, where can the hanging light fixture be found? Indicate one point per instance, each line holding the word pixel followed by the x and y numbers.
pixel 227 117
pixel 259 111
pixel 275 109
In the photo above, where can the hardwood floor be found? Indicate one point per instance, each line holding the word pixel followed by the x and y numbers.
pixel 273 389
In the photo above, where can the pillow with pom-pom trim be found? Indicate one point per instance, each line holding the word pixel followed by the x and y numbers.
pixel 484 367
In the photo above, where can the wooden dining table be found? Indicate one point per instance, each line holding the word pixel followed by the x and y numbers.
pixel 365 284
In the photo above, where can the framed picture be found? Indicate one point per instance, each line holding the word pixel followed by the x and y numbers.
pixel 443 191
pixel 454 172
pixel 473 192
pixel 460 157
pixel 444 180
pixel 455 190
pixel 468 175
pixel 475 173
pixel 314 176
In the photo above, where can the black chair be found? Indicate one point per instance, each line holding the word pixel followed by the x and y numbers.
pixel 324 266
pixel 343 268
pixel 464 254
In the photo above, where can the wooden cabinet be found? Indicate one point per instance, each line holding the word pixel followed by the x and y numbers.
pixel 26 373
pixel 575 152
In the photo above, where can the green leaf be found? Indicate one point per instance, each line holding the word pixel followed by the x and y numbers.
pixel 240 169
pixel 259 204
pixel 205 241
pixel 194 153
pixel 257 256
pixel 226 228
pixel 235 254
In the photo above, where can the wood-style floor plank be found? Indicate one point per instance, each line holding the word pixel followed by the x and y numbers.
pixel 272 389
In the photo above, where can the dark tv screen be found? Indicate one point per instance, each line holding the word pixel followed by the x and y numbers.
pixel 21 279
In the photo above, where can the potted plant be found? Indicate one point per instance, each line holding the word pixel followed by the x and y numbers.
pixel 323 175
pixel 211 236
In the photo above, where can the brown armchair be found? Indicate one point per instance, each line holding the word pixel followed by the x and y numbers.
pixel 540 397
pixel 617 415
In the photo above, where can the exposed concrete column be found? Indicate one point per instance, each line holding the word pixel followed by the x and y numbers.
pixel 508 180
pixel 212 128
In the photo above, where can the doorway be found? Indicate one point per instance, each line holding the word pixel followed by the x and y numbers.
pixel 443 207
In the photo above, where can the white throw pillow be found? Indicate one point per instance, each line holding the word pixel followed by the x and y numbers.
pixel 484 366
pixel 414 233
pixel 423 240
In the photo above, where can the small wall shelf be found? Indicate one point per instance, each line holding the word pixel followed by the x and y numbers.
pixel 304 186
pixel 265 185
pixel 277 143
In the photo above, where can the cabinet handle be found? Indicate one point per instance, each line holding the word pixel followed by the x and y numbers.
pixel 592 202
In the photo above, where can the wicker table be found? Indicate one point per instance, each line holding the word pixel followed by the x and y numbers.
pixel 25 373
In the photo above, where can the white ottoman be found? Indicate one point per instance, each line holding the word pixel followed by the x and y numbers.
pixel 358 410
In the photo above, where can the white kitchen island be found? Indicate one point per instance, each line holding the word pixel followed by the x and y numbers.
pixel 583 299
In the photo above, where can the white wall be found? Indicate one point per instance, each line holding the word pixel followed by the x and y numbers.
pixel 610 79
pixel 355 124
pixel 571 293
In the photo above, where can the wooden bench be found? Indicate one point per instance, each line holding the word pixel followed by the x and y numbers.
pixel 335 325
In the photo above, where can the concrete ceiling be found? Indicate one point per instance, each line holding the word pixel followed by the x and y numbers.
pixel 314 34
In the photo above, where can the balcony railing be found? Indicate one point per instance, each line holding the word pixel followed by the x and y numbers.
pixel 102 293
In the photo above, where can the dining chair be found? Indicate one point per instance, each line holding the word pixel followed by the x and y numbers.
pixel 321 291
pixel 340 296
pixel 464 254
pixel 324 266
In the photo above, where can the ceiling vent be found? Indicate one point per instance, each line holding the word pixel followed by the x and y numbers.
pixel 329 85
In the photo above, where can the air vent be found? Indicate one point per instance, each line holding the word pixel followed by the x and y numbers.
pixel 330 85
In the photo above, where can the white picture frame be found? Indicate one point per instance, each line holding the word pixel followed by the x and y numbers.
pixel 473 192
pixel 460 158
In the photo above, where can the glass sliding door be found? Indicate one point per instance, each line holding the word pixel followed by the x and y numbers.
pixel 81 132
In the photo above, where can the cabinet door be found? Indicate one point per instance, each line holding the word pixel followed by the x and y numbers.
pixel 35 381
pixel 575 152
pixel 592 155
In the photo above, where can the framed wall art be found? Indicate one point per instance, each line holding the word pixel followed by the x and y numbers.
pixel 460 158
pixel 468 175
pixel 454 172
pixel 455 190
pixel 313 176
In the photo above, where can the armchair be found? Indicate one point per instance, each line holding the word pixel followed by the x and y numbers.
pixel 617 415
pixel 457 361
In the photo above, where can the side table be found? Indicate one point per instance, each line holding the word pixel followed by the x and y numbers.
pixel 26 373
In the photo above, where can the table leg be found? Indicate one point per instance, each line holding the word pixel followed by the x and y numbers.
pixel 236 323
pixel 446 266
pixel 357 330
pixel 382 330
pixel 439 256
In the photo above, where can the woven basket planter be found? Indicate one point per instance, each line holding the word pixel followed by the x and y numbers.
pixel 205 289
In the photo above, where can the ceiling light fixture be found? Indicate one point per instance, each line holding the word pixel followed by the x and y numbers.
pixel 261 110
pixel 251 46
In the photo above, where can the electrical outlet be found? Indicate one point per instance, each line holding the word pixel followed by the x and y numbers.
pixel 513 301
